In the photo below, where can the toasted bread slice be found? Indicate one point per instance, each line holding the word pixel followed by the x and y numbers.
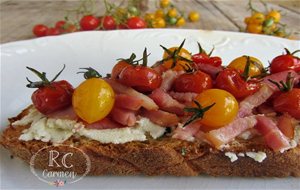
pixel 164 156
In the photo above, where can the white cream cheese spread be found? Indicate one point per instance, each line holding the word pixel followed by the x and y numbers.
pixel 59 130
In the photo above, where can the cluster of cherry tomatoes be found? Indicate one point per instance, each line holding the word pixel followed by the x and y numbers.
pixel 169 15
pixel 218 88
pixel 117 17
pixel 265 23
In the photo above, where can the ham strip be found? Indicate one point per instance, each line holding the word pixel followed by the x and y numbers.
pixel 281 76
pixel 67 113
pixel 160 117
pixel 253 101
pixel 224 135
pixel 105 123
pixel 274 138
pixel 166 102
pixel 124 117
pixel 184 97
pixel 188 132
pixel 209 69
pixel 148 103
pixel 168 78
pixel 128 102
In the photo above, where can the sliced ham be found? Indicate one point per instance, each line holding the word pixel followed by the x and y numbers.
pixel 188 132
pixel 168 78
pixel 274 138
pixel 67 113
pixel 166 102
pixel 255 100
pixel 105 123
pixel 148 103
pixel 281 76
pixel 128 102
pixel 123 116
pixel 209 69
pixel 160 117
pixel 184 97
pixel 224 135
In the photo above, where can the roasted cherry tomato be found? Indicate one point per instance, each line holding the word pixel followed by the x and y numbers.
pixel 256 66
pixel 288 102
pixel 232 81
pixel 136 23
pixel 177 61
pixel 223 110
pixel 108 23
pixel 117 69
pixel 197 82
pixel 40 30
pixel 205 58
pixel 51 95
pixel 285 62
pixel 89 22
pixel 94 98
pixel 141 78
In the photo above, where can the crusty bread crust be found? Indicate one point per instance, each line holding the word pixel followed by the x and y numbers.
pixel 165 156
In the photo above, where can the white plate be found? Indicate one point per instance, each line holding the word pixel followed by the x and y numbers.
pixel 100 50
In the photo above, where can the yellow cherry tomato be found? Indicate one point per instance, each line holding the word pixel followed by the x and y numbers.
pixel 256 66
pixel 223 111
pixel 159 13
pixel 179 64
pixel 158 23
pixel 164 3
pixel 275 15
pixel 180 22
pixel 254 28
pixel 149 16
pixel 257 18
pixel 247 20
pixel 93 100
pixel 172 12
pixel 194 16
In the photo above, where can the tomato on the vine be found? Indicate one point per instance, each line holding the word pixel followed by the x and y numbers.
pixel 136 23
pixel 256 67
pixel 94 98
pixel 288 102
pixel 214 103
pixel 40 30
pixel 194 16
pixel 140 77
pixel 205 58
pixel 197 82
pixel 287 61
pixel 53 32
pixel 51 95
pixel 232 81
pixel 108 23
pixel 176 58
pixel 122 63
pixel 89 22
pixel 60 25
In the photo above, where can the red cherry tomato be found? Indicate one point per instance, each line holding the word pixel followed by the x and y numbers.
pixel 53 97
pixel 200 58
pixel 215 61
pixel 53 31
pixel 136 23
pixel 89 22
pixel 118 68
pixel 60 25
pixel 40 30
pixel 203 58
pixel 141 78
pixel 192 82
pixel 285 62
pixel 70 28
pixel 108 23
pixel 232 81
pixel 288 102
